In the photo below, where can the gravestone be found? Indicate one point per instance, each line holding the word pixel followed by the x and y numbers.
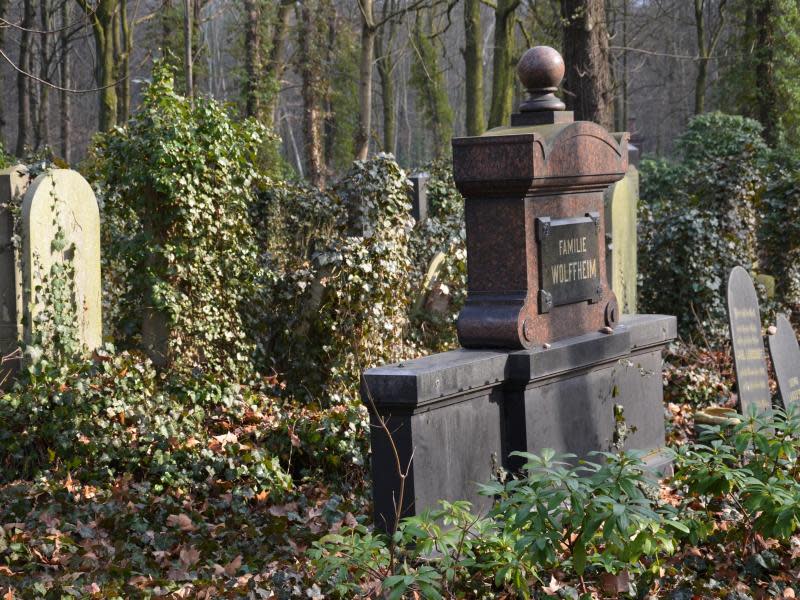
pixel 744 319
pixel 60 200
pixel 419 196
pixel 621 203
pixel 546 359
pixel 13 183
pixel 785 354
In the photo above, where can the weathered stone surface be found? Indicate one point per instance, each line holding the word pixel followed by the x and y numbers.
pixel 13 183
pixel 744 318
pixel 62 198
pixel 621 201
pixel 461 413
pixel 785 354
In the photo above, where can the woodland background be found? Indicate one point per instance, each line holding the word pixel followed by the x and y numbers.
pixel 342 79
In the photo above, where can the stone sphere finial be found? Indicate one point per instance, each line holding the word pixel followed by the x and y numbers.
pixel 540 70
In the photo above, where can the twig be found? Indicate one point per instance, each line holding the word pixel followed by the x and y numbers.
pixel 400 473
pixel 53 85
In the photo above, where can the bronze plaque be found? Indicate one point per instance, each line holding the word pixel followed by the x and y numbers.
pixel 569 260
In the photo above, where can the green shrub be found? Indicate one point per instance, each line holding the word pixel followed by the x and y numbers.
pixel 699 219
pixel 345 272
pixel 780 233
pixel 751 467
pixel 582 519
pixel 102 419
pixel 176 186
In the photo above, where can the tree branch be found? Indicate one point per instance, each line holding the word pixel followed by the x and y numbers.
pixel 53 85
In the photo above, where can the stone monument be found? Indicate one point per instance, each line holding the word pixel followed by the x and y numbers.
pixel 547 361
pixel 13 183
pixel 56 219
pixel 621 203
pixel 749 360
pixel 785 354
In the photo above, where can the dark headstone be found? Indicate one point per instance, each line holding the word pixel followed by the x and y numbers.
pixel 546 361
pixel 785 353
pixel 419 196
pixel 748 345
pixel 456 416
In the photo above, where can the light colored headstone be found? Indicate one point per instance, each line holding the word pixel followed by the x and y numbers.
pixel 621 200
pixel 748 345
pixel 785 353
pixel 61 198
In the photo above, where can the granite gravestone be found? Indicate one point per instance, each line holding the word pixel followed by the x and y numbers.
pixel 748 345
pixel 785 354
pixel 547 360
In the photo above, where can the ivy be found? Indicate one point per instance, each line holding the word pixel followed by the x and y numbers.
pixel 698 219
pixel 176 184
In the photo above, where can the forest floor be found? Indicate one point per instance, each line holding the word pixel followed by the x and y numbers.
pixel 60 537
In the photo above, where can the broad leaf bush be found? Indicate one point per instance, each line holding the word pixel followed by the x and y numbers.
pixel 346 271
pixel 586 519
pixel 753 469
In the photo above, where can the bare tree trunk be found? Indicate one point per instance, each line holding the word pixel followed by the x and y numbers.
pixel 187 47
pixel 767 94
pixel 3 9
pixel 429 79
pixel 588 87
pixel 43 118
pixel 326 91
pixel 124 66
pixel 277 54
pixel 101 16
pixel 384 45
pixel 705 50
pixel 502 75
pixel 252 58
pixel 23 88
pixel 63 97
pixel 473 64
pixel 311 76
pixel 367 56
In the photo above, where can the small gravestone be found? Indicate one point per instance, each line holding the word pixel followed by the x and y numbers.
pixel 748 345
pixel 419 196
pixel 785 353
pixel 60 203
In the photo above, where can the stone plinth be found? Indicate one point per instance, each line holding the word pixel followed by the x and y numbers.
pixel 461 413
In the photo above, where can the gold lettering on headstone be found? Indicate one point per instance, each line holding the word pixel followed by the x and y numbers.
pixel 750 373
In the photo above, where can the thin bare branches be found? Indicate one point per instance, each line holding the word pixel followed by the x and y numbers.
pixel 53 85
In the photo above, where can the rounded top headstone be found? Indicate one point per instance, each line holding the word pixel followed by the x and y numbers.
pixel 541 68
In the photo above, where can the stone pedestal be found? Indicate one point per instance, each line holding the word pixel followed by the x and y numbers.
pixel 550 364
pixel 460 414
